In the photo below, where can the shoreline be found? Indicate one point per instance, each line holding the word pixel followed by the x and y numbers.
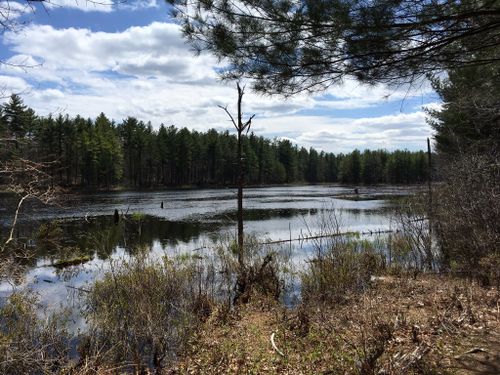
pixel 122 189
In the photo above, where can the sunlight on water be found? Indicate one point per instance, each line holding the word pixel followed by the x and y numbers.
pixel 190 221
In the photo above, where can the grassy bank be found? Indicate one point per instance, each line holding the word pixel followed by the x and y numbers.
pixel 358 315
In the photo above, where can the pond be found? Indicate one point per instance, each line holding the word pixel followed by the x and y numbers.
pixel 77 239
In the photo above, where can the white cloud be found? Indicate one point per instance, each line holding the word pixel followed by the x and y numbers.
pixel 9 84
pixel 153 50
pixel 434 106
pixel 403 130
pixel 353 95
pixel 12 10
pixel 149 72
pixel 83 5
pixel 138 4
pixel 20 63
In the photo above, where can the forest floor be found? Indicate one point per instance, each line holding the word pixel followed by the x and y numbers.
pixel 401 325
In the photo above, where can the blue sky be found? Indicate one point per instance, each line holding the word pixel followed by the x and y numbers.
pixel 129 59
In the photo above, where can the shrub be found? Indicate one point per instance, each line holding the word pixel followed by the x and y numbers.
pixel 343 269
pixel 29 345
pixel 411 246
pixel 143 311
pixel 262 272
pixel 467 216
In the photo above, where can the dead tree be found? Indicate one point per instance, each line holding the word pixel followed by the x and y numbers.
pixel 241 129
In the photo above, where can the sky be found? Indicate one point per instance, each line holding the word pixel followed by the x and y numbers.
pixel 130 59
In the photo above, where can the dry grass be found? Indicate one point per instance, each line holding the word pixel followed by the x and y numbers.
pixel 29 345
pixel 427 325
pixel 142 311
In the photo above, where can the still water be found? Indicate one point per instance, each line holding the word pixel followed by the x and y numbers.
pixel 190 220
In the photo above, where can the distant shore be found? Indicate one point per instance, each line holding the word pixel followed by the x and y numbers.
pixel 125 188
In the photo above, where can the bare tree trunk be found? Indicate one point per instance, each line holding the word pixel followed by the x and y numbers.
pixel 241 181
pixel 240 127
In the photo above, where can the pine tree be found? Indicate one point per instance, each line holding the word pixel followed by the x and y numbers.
pixel 288 46
pixel 17 117
pixel 469 119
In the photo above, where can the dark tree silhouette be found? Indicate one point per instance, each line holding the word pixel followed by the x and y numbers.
pixel 241 127
pixel 288 46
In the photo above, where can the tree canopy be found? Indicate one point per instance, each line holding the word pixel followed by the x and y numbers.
pixel 288 46
pixel 100 153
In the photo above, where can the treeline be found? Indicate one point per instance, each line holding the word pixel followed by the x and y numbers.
pixel 101 153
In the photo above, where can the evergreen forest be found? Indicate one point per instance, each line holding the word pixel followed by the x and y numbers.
pixel 102 154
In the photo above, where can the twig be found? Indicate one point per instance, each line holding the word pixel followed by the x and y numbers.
pixel 475 350
pixel 407 360
pixel 274 345
pixel 14 222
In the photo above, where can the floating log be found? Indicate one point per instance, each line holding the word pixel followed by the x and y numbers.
pixel 308 238
pixel 71 262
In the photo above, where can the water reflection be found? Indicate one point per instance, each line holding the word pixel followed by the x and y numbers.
pixel 82 233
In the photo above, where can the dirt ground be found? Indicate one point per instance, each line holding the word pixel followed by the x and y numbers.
pixel 401 325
